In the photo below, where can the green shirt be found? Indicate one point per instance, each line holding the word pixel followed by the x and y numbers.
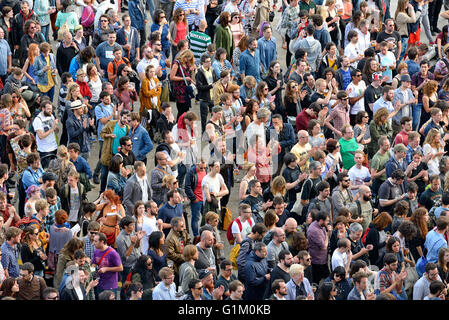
pixel 119 132
pixel 198 43
pixel 347 149
pixel 378 163
pixel 307 6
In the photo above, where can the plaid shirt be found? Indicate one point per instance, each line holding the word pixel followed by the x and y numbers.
pixel 290 15
pixel 89 248
pixel 386 279
pixel 50 218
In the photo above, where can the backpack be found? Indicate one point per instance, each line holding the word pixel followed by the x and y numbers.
pixel 233 255
pixel 225 219
pixel 298 206
pixel 229 234
pixel 88 16
pixel 26 221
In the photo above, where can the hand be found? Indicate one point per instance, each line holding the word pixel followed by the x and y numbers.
pixel 85 123
pixel 310 297
pixel 278 84
pixel 217 293
pixel 94 283
pixel 133 239
pixel 46 68
pixel 219 246
pixel 102 270
pixel 267 276
pixel 369 247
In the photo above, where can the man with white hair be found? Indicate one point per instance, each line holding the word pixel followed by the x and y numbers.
pixel 359 252
pixel 302 150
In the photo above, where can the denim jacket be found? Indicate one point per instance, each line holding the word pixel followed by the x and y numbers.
pixel 142 143
pixel 39 64
pixel 399 95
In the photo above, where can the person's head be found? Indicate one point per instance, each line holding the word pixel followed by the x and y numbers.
pixel 296 272
pixel 390 261
pixel 355 231
pixel 116 164
pixel 128 224
pixel 278 287
pixel 431 271
pixel 258 231
pixel 326 291
pixel 435 182
pixel 252 44
pixel 41 207
pixel 236 289
pixel 206 239
pixel 442 223
pixel 27 271
pixel 177 223
pixel 408 230
pixel 100 241
pixel 343 180
pixel 260 249
pixel 322 218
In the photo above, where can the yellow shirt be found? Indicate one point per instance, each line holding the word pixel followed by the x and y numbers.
pixel 51 82
pixel 301 153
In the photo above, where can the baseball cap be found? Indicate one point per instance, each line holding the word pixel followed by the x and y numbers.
pixel 405 78
pixel 49 176
pixel 203 274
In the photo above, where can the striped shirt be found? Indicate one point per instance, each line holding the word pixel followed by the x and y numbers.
pixel 192 4
pixel 198 43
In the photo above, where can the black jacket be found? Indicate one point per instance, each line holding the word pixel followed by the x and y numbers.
pixel 64 195
pixel 373 238
pixel 339 77
pixel 203 86
pixel 70 293
pixel 17 26
pixel 75 132
pixel 191 181
pixel 162 124
pixel 25 42
pixel 64 56
pixel 325 64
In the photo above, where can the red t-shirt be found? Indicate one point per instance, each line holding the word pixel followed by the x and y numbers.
pixel 6 215
pixel 198 192
pixel 401 137
pixel 302 120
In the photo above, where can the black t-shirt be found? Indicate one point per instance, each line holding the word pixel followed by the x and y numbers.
pixel 291 175
pixel 315 96
pixel 356 247
pixel 429 197
pixel 395 37
pixel 309 189
pixel 371 95
pixel 277 273
pixel 420 182
pixel 129 159
pixel 282 218
pixel 256 207
pixel 389 191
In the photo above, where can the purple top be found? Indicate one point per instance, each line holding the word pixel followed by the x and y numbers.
pixel 316 236
pixel 417 79
pixel 108 280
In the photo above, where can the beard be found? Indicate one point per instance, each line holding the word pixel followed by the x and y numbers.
pixel 366 198
pixel 47 114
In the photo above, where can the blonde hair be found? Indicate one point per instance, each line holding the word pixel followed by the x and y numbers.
pixel 430 138
pixel 211 216
pixel 296 269
pixel 168 179
pixel 70 89
pixel 63 154
pixel 247 166
pixel 279 185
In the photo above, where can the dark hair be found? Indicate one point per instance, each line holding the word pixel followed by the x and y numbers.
pixel 359 116
pixel 322 185
pixel 321 215
pixel 436 286
pixel 324 291
pixel 124 140
pixel 259 228
pixel 341 176
pixel 126 221
pixel 154 239
pixel 356 266
pixel 193 282
pixel 225 263
pixel 114 165
pixel 310 29
pixel 276 285
pixel 65 76
pixel 390 258
pixel 283 253
pixel 408 230
pixel 288 158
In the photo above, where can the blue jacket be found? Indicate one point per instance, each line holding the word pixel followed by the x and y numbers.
pixel 137 16
pixel 75 65
pixel 75 132
pixel 255 270
pixel 354 294
pixel 30 177
pixel 133 41
pixel 291 289
pixel 116 182
pixel 82 165
pixel 142 143
pixel 39 64
pixel 286 138
pixel 216 65
pixel 267 52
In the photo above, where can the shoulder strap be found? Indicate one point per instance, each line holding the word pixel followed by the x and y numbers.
pixel 182 71
pixel 239 224
pixel 162 171
pixel 104 255
pixel 359 207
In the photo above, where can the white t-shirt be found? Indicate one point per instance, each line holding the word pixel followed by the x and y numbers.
pixel 352 51
pixel 148 225
pixel 357 175
pixel 387 61
pixel 364 40
pixel 45 124
pixel 355 91
pixel 253 129
pixel 339 259
pixel 213 185
pixel 246 228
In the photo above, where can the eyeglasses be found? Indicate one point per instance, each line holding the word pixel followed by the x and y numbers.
pixel 93 232
pixel 308 259
pixel 358 75
pixel 129 144
pixel 199 288
pixel 247 212
pixel 52 298
pixel 346 180
pixel 365 117
pixel 102 20
pixel 158 44
pixel 181 14
pixel 176 182
pixel 265 89
pixel 149 264
pixel 35 234
pixel 337 146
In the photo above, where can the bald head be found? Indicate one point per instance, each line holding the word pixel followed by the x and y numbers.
pixel 202 25
pixel 207 239
pixel 67 37
pixel 290 225
pixel 365 193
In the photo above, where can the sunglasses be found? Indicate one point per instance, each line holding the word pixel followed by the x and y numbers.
pixel 199 288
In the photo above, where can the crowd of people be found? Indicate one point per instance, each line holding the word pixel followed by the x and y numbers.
pixel 345 187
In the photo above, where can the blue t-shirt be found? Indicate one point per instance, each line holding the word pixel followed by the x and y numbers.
pixel 346 78
pixel 119 132
pixel 167 212
pixel 105 53
pixel 102 111
pixel 164 40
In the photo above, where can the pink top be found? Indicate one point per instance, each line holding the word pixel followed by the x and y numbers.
pixel 181 31
pixel 237 32
pixel 127 97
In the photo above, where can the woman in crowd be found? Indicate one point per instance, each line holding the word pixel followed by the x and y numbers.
pixel 187 271
pixel 95 84
pixel 117 175
pixel 338 278
pixel 45 70
pixel 111 212
pixel 160 24
pixel 377 237
pixel 9 288
pixel 32 250
pixel 420 219
pixel 379 126
pixel 361 129
pixel 275 83
pixel 61 167
pixel 138 214
pixel 402 69
pixel 434 146
pixel 443 265
pixel 80 36
pixel 144 274
pixel 333 159
pixel 269 220
pixel 150 92
pixel 340 231
pixel 126 93
pixel 277 188
pixel 250 113
pixel 156 250
pixel 178 30
pixel 19 106
pixel 299 243
pixel 250 169
pixel 33 194
pixel 236 28
pixel 66 255
pixel 429 98
pixel 239 48
pixel 28 67
pixel 327 291
pixel 316 136
pixel 419 174
pixel 180 74
pixel 260 154
pixel 60 234
pixel 248 89
pixel 264 97
pixel 292 101
pixel 221 63
pixel 371 66
pixel 223 34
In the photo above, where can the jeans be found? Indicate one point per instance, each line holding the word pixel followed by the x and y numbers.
pixel 416 115
pixel 404 42
pixel 197 209
pixel 45 31
pixel 50 93
pixel 98 167
pixel 104 177
pixel 205 107
pixel 426 22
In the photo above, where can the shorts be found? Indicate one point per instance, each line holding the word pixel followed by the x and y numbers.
pixel 415 37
